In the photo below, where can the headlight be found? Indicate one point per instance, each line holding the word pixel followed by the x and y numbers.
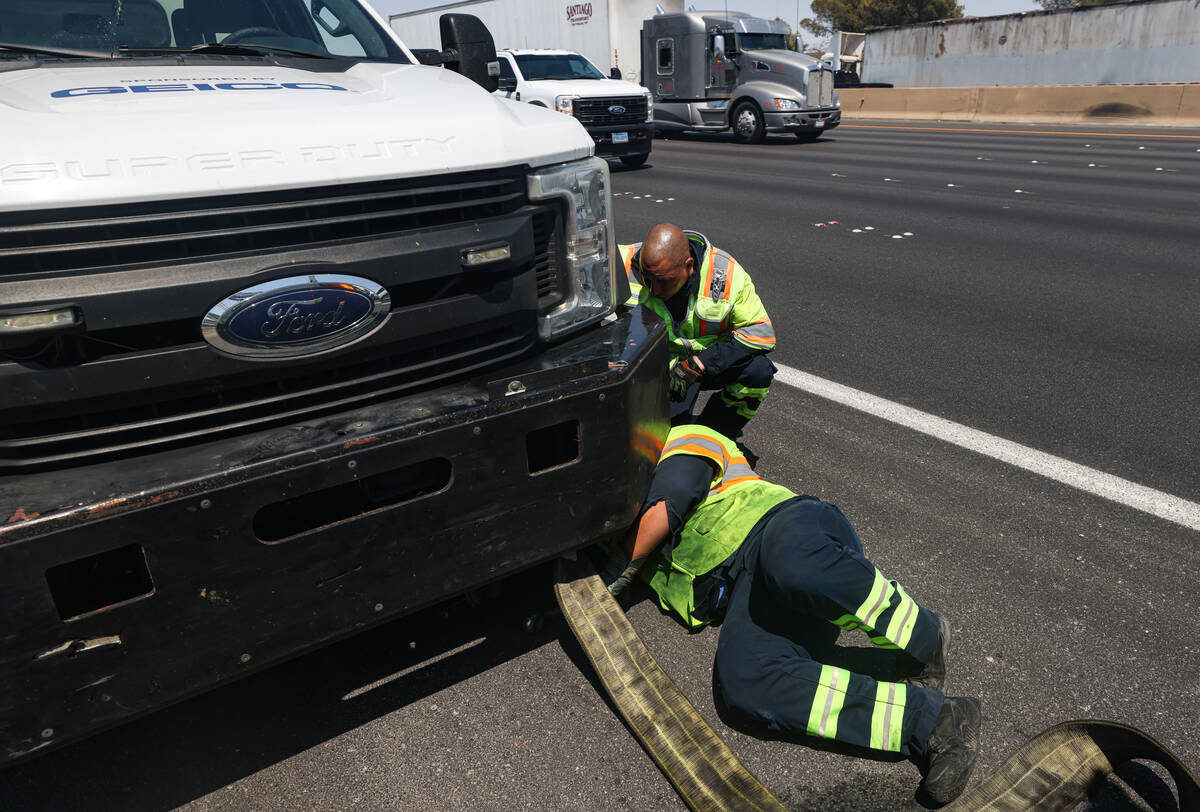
pixel 787 104
pixel 565 104
pixel 589 286
pixel 649 107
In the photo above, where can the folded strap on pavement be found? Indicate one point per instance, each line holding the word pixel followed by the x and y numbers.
pixel 703 770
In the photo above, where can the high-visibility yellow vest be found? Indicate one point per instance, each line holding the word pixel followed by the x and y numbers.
pixel 725 303
pixel 736 500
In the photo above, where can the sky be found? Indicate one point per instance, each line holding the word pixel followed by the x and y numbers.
pixel 787 9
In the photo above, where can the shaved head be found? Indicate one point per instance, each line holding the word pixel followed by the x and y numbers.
pixel 666 260
pixel 665 241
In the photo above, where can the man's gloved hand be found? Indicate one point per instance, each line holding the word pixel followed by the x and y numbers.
pixel 618 572
pixel 684 372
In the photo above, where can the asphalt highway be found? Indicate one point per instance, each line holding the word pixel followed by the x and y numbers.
pixel 1037 285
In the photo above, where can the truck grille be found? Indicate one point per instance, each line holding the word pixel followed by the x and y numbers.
pixel 597 112
pixel 820 88
pixel 67 425
pixel 547 226
pixel 95 239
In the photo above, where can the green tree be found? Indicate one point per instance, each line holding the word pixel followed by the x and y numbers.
pixel 859 15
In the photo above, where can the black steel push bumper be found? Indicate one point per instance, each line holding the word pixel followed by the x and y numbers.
pixel 640 137
pixel 130 584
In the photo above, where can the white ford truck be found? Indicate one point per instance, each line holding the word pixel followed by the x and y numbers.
pixel 618 115
pixel 296 335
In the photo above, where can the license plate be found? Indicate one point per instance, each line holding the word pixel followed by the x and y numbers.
pixel 620 138
pixel 819 123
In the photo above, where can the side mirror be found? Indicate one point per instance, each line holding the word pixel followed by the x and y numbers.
pixel 468 49
pixel 507 83
pixel 615 73
pixel 719 46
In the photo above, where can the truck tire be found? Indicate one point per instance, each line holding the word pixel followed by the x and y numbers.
pixel 633 161
pixel 748 125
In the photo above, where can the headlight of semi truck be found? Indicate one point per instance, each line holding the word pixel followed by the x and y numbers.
pixel 787 104
pixel 565 104
pixel 649 107
pixel 589 287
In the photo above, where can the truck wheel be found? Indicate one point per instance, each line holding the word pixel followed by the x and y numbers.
pixel 748 123
pixel 633 161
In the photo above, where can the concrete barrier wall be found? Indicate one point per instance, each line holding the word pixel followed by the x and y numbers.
pixel 1140 41
pixel 1161 105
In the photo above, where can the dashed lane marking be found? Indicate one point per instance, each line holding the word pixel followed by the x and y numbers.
pixel 1148 500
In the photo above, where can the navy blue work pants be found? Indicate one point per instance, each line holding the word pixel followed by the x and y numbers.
pixel 743 387
pixel 800 577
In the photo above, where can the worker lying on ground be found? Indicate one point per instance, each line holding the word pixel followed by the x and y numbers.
pixel 774 566
pixel 720 333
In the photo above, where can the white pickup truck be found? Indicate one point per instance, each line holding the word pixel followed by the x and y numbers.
pixel 296 335
pixel 618 115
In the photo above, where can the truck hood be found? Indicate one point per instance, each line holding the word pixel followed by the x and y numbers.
pixel 82 135
pixel 778 56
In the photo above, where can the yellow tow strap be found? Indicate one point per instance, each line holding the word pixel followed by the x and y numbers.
pixel 1050 772
pixel 703 770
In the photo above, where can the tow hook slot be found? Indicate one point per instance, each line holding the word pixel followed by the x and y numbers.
pixel 100 581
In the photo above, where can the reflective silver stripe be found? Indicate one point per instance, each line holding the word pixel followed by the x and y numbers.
pixel 695 439
pixel 711 328
pixel 763 329
pixel 736 470
pixel 887 714
pixel 721 262
pixel 833 682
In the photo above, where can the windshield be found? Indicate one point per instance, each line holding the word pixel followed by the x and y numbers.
pixel 104 28
pixel 762 42
pixel 556 66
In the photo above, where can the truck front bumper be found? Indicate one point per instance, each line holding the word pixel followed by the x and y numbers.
pixel 131 584
pixel 801 121
pixel 640 137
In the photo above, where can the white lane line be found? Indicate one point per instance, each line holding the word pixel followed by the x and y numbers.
pixel 1156 503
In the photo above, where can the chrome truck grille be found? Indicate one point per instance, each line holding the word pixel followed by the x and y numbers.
pixel 820 88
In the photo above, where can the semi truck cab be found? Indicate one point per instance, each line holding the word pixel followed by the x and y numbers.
pixel 618 115
pixel 717 71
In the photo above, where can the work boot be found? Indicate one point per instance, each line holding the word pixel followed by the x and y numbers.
pixel 933 675
pixel 950 752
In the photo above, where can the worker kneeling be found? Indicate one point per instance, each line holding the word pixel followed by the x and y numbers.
pixel 719 332
pixel 775 566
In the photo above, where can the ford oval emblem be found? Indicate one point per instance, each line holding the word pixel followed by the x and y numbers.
pixel 296 316
pixel 616 109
